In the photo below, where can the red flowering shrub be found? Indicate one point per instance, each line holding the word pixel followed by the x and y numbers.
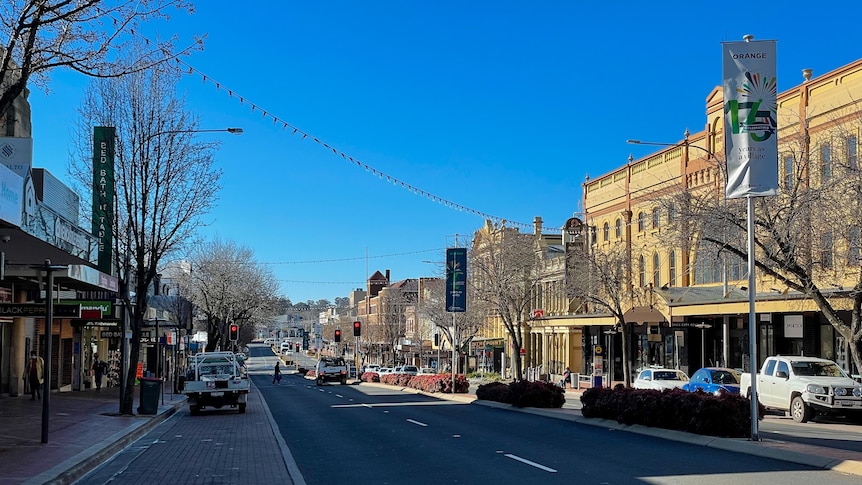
pixel 425 383
pixel 494 391
pixel 311 373
pixel 694 412
pixel 370 377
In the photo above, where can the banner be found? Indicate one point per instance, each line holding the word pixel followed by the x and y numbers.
pixel 750 128
pixel 103 193
pixel 456 279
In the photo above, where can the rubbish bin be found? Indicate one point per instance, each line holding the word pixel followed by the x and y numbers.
pixel 148 402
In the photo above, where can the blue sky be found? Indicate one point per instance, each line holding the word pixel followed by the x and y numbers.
pixel 500 107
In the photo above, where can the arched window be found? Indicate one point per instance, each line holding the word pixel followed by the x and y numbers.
pixel 606 232
pixel 641 272
pixel 656 218
pixel 640 222
pixel 619 228
pixel 671 258
pixel 671 213
pixel 656 271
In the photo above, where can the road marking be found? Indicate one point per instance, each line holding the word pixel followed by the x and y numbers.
pixel 531 463
pixel 394 404
pixel 339 396
pixel 416 422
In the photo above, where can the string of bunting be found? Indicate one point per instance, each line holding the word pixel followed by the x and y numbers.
pixel 255 108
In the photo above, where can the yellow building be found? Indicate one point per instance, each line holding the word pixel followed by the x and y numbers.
pixel 688 297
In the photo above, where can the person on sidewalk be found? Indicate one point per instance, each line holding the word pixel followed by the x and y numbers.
pixel 33 375
pixel 566 377
pixel 276 376
pixel 99 369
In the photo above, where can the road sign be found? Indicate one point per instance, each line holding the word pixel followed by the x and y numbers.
pixel 38 310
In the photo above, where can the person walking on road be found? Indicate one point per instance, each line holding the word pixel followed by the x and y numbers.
pixel 33 375
pixel 99 369
pixel 276 375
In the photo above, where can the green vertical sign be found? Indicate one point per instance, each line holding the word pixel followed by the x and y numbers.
pixel 456 279
pixel 103 193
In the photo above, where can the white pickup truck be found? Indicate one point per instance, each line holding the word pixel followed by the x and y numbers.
pixel 216 379
pixel 330 369
pixel 805 386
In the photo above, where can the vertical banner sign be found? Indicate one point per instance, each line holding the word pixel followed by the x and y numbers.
pixel 456 279
pixel 103 193
pixel 750 128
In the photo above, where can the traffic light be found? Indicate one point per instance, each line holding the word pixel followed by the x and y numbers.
pixel 234 332
pixel 338 335
pixel 357 328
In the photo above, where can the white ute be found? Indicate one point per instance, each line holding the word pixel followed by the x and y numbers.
pixel 805 386
pixel 216 379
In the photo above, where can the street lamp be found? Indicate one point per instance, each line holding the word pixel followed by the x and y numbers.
pixel 703 326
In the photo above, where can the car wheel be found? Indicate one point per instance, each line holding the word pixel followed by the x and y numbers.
pixel 319 381
pixel 194 410
pixel 343 381
pixel 799 411
pixel 242 408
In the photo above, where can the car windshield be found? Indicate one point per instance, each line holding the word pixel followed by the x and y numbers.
pixel 724 377
pixel 822 369
pixel 662 375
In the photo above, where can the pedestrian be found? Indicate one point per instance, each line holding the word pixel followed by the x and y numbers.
pixel 276 376
pixel 566 377
pixel 99 369
pixel 33 375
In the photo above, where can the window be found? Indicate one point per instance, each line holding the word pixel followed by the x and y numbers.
pixel 709 265
pixel 606 232
pixel 656 270
pixel 671 213
pixel 825 163
pixel 826 250
pixel 852 157
pixel 671 263
pixel 641 272
pixel 619 228
pixel 656 218
pixel 640 222
pixel 788 172
pixel 854 239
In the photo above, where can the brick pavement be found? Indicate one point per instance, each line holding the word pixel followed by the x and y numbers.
pixel 218 446
pixel 84 428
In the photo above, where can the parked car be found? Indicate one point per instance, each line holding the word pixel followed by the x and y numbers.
pixel 427 371
pixel 805 387
pixel 385 370
pixel 660 379
pixel 369 368
pixel 406 369
pixel 714 380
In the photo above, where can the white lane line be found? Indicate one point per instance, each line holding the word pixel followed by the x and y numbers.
pixel 339 396
pixel 416 422
pixel 531 463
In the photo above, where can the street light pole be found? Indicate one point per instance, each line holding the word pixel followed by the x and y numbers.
pixel 703 326
pixel 49 330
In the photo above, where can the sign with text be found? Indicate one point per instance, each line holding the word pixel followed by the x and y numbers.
pixel 456 279
pixel 750 112
pixel 38 310
pixel 103 193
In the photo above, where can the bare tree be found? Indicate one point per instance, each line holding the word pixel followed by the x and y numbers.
pixel 504 267
pixel 164 179
pixel 229 286
pixel 392 306
pixel 92 37
pixel 600 279
pixel 807 238
pixel 467 324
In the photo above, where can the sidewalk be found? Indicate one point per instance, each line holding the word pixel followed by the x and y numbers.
pixel 84 429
